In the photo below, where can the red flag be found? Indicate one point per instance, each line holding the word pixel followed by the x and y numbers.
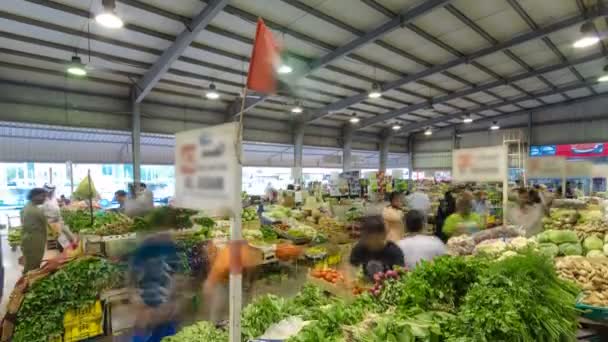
pixel 264 61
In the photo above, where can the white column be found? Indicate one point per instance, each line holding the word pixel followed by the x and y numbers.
pixel 135 138
pixel 347 149
pixel 298 147
pixel 384 147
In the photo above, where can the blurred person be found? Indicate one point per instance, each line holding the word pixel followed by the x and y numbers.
pixel 121 197
pixel 569 193
pixel 464 220
pixel 416 246
pixel 419 200
pixel 481 205
pixel 527 213
pixel 141 201
pixel 33 236
pixel 216 286
pixel 373 253
pixel 63 201
pixel 153 266
pixel 50 207
pixel 447 206
pixel 393 217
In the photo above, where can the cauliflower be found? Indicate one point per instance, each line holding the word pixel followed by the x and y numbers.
pixel 491 247
pixel 518 243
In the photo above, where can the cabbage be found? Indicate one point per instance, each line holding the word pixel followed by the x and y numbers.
pixel 593 243
pixel 606 248
pixel 549 249
pixel 571 249
pixel 594 254
pixel 606 238
pixel 558 236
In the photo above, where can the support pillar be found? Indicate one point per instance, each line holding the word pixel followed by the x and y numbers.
pixel 298 146
pixel 135 139
pixel 410 155
pixel 347 149
pixel 384 148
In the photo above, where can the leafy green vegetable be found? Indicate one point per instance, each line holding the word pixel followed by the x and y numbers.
pixel 74 286
pixel 77 220
pixel 200 331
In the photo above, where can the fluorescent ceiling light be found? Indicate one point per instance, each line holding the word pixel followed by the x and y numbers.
pixel 108 17
pixel 375 92
pixel 467 119
pixel 494 126
pixel 428 131
pixel 297 108
pixel 284 69
pixel 76 67
pixel 396 127
pixel 586 42
pixel 589 36
pixel 603 78
pixel 354 119
pixel 212 94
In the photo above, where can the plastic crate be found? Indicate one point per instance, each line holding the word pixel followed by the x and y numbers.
pixel 82 330
pixel 90 313
pixel 592 312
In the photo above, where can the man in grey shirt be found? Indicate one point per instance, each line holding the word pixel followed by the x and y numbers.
pixel 417 246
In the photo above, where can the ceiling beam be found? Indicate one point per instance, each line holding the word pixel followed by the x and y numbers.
pixel 365 37
pixel 574 101
pixel 171 54
pixel 552 91
pixel 539 71
pixel 389 26
pixel 531 35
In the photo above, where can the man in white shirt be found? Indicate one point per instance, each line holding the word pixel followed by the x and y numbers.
pixel 417 246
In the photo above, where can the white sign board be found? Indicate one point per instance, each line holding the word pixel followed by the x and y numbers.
pixel 205 168
pixel 484 164
pixel 546 167
pixel 579 169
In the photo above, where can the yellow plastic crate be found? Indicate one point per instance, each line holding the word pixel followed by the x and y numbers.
pixel 90 313
pixel 82 330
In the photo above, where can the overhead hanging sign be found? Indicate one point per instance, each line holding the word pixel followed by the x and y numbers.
pixel 546 167
pixel 484 164
pixel 571 150
pixel 205 167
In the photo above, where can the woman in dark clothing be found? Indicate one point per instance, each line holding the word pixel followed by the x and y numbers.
pixel 447 206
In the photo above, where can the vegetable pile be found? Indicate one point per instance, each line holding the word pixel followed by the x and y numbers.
pixel 112 224
pixel 14 237
pixel 561 219
pixel 589 273
pixel 77 220
pixel 200 331
pixel 452 299
pixel 249 214
pixel 74 286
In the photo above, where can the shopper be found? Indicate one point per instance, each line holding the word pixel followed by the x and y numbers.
pixel 447 206
pixel 33 236
pixel 374 253
pixel 216 286
pixel 417 246
pixel 121 197
pixel 153 268
pixel 464 220
pixel 527 213
pixel 393 217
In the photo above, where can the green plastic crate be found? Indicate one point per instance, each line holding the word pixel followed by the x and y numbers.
pixel 595 313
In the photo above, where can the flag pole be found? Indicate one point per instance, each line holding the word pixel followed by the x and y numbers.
pixel 236 276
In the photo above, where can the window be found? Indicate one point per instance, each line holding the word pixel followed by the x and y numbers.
pixel 106 170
